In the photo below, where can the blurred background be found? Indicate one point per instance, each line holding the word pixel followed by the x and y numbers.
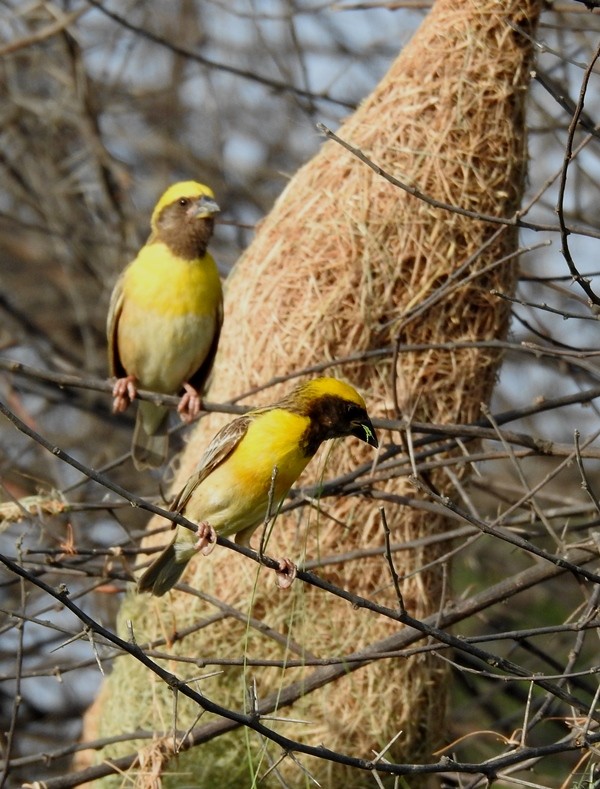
pixel 103 104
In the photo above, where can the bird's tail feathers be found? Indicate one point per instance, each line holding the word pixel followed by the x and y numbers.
pixel 163 573
pixel 150 442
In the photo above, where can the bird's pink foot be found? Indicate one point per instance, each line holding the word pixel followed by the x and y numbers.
pixel 189 405
pixel 124 392
pixel 207 538
pixel 286 574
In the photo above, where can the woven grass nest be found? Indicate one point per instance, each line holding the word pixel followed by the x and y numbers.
pixel 335 268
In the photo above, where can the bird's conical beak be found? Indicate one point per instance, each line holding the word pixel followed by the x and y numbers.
pixel 205 207
pixel 364 430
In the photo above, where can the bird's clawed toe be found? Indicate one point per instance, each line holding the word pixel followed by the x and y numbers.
pixel 286 573
pixel 124 392
pixel 189 405
pixel 207 538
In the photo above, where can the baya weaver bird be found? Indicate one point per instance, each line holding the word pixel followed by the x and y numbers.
pixel 250 465
pixel 165 317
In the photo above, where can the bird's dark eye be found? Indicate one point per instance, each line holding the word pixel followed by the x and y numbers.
pixel 353 410
pixel 183 201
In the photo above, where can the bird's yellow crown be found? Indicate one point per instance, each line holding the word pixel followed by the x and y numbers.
pixel 321 387
pixel 191 189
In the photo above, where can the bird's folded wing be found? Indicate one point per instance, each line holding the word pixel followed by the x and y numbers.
pixel 222 445
pixel 112 322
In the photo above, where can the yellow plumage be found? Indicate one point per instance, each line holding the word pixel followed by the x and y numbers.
pixel 165 316
pixel 229 491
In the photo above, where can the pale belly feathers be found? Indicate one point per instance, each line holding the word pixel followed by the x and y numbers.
pixel 168 319
pixel 163 351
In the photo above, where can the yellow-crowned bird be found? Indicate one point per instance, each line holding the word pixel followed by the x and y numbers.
pixel 165 317
pixel 251 461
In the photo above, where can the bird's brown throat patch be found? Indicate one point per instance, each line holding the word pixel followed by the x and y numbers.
pixel 186 237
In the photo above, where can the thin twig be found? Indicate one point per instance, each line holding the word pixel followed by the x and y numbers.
pixel 514 221
pixel 564 230
pixel 390 560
